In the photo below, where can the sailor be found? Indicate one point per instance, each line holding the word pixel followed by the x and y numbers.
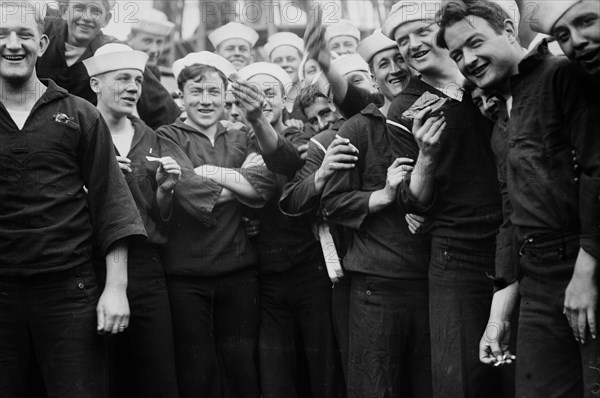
pixel 342 37
pixel 234 42
pixel 149 35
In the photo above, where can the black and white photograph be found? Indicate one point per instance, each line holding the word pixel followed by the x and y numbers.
pixel 299 198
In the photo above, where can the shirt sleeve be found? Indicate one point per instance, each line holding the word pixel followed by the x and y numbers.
pixel 343 202
pixel 195 194
pixel 263 180
pixel 580 103
pixel 285 160
pixel 300 196
pixel 356 100
pixel 113 212
pixel 156 106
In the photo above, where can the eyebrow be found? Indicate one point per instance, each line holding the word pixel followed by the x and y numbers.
pixel 470 38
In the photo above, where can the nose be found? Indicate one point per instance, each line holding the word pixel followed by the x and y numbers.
pixel 323 123
pixel 579 40
pixel 154 48
pixel 469 58
pixel 13 42
pixel 414 42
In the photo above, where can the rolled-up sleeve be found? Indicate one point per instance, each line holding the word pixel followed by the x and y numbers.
pixel 113 212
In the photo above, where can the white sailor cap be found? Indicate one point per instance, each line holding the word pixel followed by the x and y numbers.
pixel 284 39
pixel 342 28
pixel 408 11
pixel 349 63
pixel 204 58
pixel 267 68
pixel 233 30
pixel 547 13
pixel 374 44
pixel 153 21
pixel 115 56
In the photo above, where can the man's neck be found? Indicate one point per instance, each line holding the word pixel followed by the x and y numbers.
pixel 278 126
pixel 21 96
pixel 210 131
pixel 504 88
pixel 446 79
pixel 116 123
pixel 386 106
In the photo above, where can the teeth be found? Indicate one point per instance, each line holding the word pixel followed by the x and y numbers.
pixel 478 70
pixel 14 57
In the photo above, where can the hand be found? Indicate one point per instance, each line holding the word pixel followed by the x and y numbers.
pixel 314 34
pixel 229 125
pixel 168 174
pixel 303 151
pixel 427 132
pixel 249 96
pixel 493 347
pixel 254 160
pixel 252 226
pixel 124 164
pixel 416 224
pixel 341 155
pixel 299 124
pixel 581 297
pixel 112 311
pixel 396 173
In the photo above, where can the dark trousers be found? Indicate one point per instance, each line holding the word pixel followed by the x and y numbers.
pixel 340 307
pixel 389 338
pixel 53 319
pixel 296 321
pixel 460 296
pixel 550 363
pixel 215 323
pixel 144 355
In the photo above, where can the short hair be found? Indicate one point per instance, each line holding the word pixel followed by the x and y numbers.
pixel 454 11
pixel 196 72
pixel 309 95
pixel 38 8
pixel 107 3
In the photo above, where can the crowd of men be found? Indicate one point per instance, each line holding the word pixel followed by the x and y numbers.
pixel 414 213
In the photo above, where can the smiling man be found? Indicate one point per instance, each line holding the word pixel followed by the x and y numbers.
pixel 56 147
pixel 576 26
pixel 75 37
pixel 210 264
pixel 454 183
pixel 149 35
pixel 234 42
pixel 553 211
pixel 144 359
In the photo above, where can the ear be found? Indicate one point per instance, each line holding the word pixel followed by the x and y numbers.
pixel 251 56
pixel 44 41
pixel 511 29
pixel 95 85
pixel 106 19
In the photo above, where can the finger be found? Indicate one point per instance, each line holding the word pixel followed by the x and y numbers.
pixel 417 218
pixel 582 325
pixel 245 219
pixel 420 117
pixel 341 166
pixel 572 318
pixel 438 132
pixel 344 158
pixel 485 354
pixel 115 325
pixel 591 316
pixel 123 159
pixel 100 319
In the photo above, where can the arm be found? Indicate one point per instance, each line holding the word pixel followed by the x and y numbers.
pixel 494 344
pixel 167 177
pixel 195 194
pixel 579 103
pixel 427 133
pixel 303 193
pixel 228 178
pixel 113 307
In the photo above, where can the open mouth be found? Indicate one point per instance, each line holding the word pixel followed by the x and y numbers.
pixel 129 100
pixel 14 58
pixel 398 79
pixel 478 71
pixel 420 54
pixel 205 111
pixel 588 56
pixel 85 27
